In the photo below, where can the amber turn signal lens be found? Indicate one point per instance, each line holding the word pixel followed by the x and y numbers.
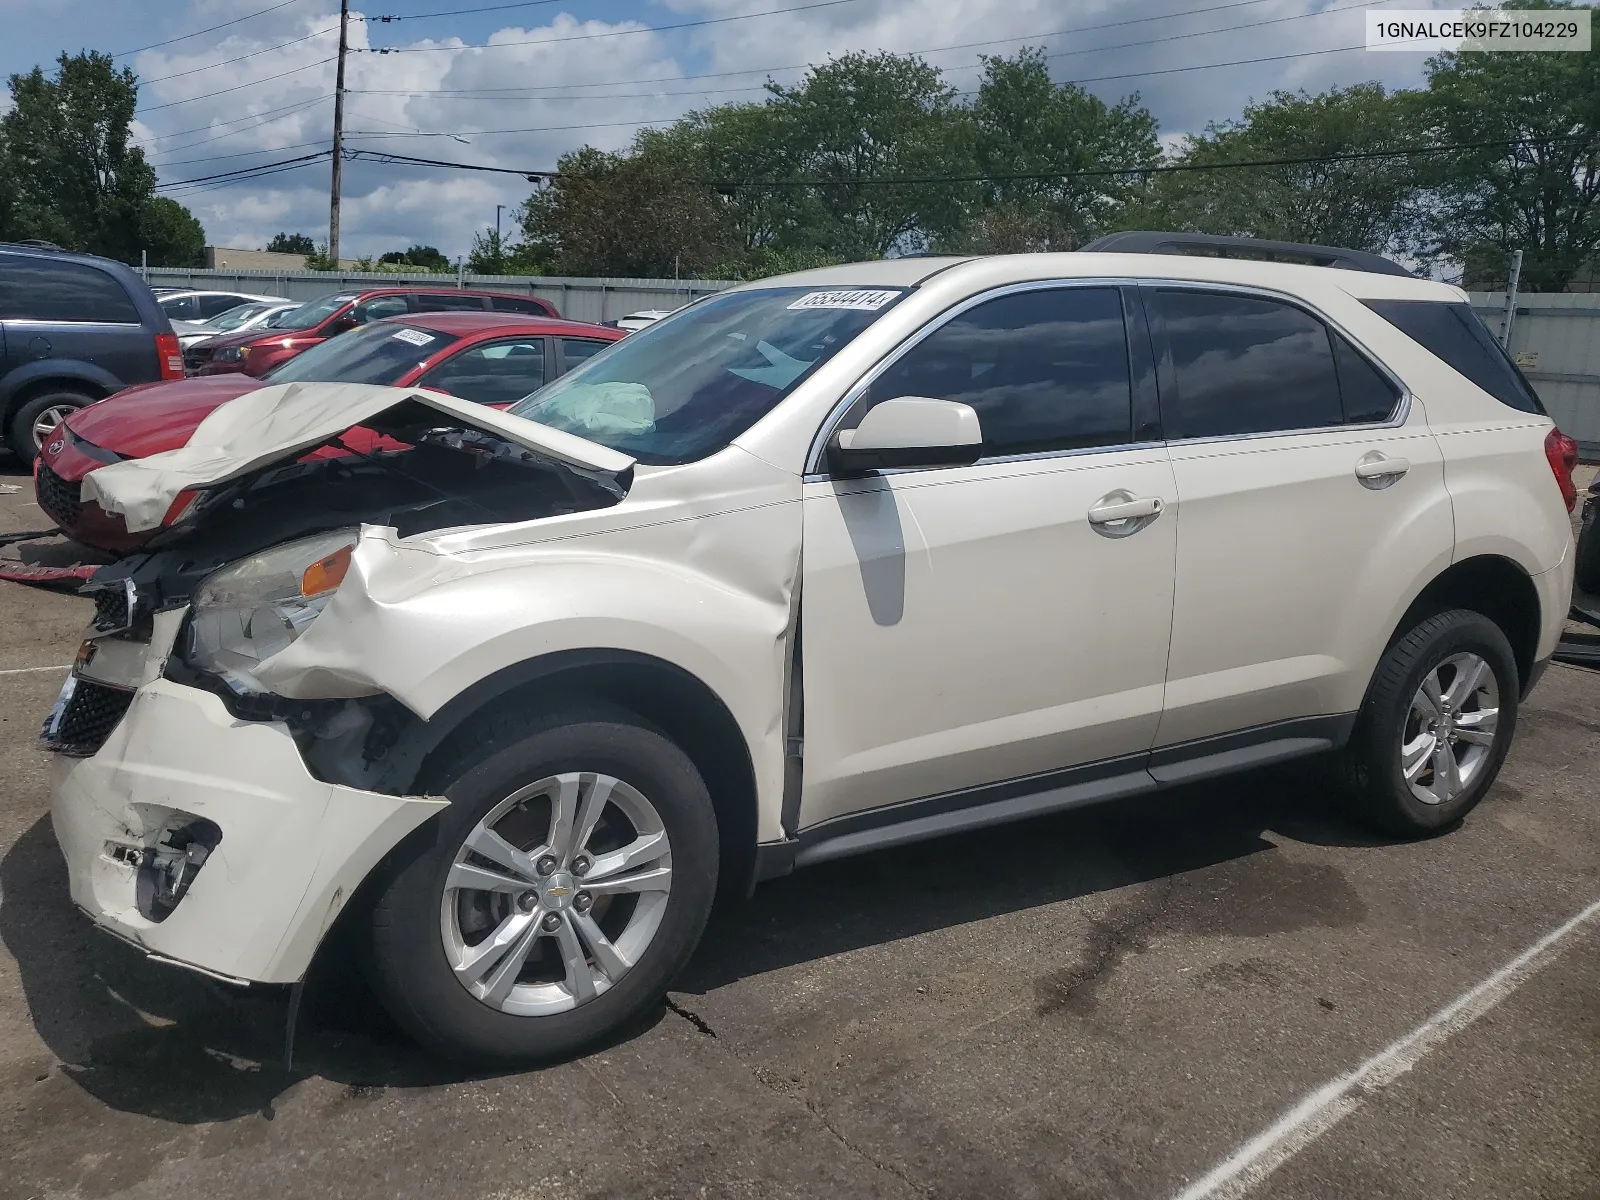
pixel 326 573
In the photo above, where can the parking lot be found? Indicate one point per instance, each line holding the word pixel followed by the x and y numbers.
pixel 1106 1003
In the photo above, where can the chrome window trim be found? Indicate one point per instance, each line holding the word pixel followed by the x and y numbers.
pixel 815 471
pixel 1397 418
pixel 13 321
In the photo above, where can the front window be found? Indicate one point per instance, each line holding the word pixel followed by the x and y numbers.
pixel 313 312
pixel 687 386
pixel 378 354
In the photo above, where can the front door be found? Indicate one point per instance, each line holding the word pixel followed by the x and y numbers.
pixel 969 625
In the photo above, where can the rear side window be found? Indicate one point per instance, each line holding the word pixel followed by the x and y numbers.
pixel 1044 370
pixel 182 308
pixel 1452 333
pixel 446 302
pixel 1367 394
pixel 1243 364
pixel 40 290
pixel 513 304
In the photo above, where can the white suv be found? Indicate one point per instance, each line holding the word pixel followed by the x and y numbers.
pixel 818 565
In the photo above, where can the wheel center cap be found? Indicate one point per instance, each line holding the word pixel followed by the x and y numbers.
pixel 559 889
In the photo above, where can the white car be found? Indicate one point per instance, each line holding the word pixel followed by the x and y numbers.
pixel 190 304
pixel 642 319
pixel 818 565
pixel 240 318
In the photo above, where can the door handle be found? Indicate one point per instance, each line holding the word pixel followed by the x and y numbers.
pixel 1120 513
pixel 1377 470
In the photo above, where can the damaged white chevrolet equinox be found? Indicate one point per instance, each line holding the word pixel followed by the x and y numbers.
pixel 817 565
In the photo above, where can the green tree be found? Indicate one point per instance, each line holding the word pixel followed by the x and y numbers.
pixel 622 214
pixel 858 122
pixel 1027 125
pixel 170 235
pixel 291 243
pixel 426 258
pixel 74 176
pixel 1370 203
pixel 1535 185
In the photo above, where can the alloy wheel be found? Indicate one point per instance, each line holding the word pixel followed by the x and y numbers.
pixel 556 893
pixel 1450 728
pixel 48 421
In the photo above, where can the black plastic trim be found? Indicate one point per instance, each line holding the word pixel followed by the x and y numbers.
pixel 1154 242
pixel 1053 791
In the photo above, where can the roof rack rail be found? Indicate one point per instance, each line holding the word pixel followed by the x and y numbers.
pixel 1150 242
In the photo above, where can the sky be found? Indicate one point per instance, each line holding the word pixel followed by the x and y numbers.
pixel 515 85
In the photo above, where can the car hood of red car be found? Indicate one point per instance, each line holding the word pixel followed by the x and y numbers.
pixel 145 420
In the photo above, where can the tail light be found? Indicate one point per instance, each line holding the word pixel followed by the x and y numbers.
pixel 170 355
pixel 1562 452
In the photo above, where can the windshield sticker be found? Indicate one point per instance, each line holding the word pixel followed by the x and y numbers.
pixel 414 336
pixel 854 298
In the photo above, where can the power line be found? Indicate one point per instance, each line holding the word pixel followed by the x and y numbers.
pixel 234 120
pixel 245 172
pixel 240 86
pixel 584 37
pixel 456 12
pixel 227 62
pixel 233 133
pixel 183 37
pixel 189 162
pixel 1004 177
pixel 762 87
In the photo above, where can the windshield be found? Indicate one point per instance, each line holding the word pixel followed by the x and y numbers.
pixel 686 386
pixel 313 312
pixel 379 353
pixel 236 317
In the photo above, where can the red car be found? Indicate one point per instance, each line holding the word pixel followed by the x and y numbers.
pixel 491 358
pixel 257 351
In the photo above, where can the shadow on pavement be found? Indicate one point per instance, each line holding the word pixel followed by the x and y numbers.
pixel 166 1043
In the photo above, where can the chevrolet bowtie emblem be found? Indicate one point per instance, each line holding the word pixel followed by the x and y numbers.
pixel 556 891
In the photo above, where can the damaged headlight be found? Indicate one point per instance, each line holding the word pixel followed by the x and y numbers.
pixel 252 609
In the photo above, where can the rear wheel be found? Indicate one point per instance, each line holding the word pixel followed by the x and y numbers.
pixel 1436 726
pixel 1588 552
pixel 554 900
pixel 40 417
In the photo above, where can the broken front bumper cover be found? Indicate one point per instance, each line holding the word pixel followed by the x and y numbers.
pixel 290 851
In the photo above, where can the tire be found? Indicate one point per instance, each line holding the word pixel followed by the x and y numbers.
pixel 424 925
pixel 1587 558
pixel 1442 650
pixel 24 444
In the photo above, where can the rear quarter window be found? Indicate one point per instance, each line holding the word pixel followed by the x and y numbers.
pixel 1452 333
pixel 41 290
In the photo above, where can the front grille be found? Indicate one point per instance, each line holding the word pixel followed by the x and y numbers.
pixel 195 357
pixel 90 716
pixel 59 498
pixel 112 609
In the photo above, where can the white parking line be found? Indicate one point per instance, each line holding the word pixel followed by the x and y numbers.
pixel 27 670
pixel 1331 1103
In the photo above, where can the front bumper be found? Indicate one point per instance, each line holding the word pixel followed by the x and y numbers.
pixel 292 848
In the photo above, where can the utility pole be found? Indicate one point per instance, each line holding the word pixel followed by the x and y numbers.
pixel 1511 299
pixel 498 209
pixel 338 134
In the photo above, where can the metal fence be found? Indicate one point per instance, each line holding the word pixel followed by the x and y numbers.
pixel 579 299
pixel 1555 338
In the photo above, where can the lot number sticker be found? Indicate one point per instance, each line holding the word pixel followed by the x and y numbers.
pixel 414 336
pixel 854 298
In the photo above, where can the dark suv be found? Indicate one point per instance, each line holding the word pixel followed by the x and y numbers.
pixel 257 351
pixel 73 329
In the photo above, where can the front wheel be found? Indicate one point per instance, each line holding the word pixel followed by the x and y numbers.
pixel 554 900
pixel 39 419
pixel 1436 725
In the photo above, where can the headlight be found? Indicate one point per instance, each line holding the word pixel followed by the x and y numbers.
pixel 230 354
pixel 252 609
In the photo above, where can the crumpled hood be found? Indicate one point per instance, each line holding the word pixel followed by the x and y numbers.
pixel 279 423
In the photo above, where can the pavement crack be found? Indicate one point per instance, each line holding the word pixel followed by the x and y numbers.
pixel 692 1017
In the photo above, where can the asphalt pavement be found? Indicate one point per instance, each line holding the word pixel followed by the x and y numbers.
pixel 1106 1003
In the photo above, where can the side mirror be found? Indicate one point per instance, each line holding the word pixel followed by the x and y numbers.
pixel 911 431
pixel 343 324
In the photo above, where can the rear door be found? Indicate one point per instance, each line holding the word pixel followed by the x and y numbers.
pixel 1310 499
pixel 76 311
